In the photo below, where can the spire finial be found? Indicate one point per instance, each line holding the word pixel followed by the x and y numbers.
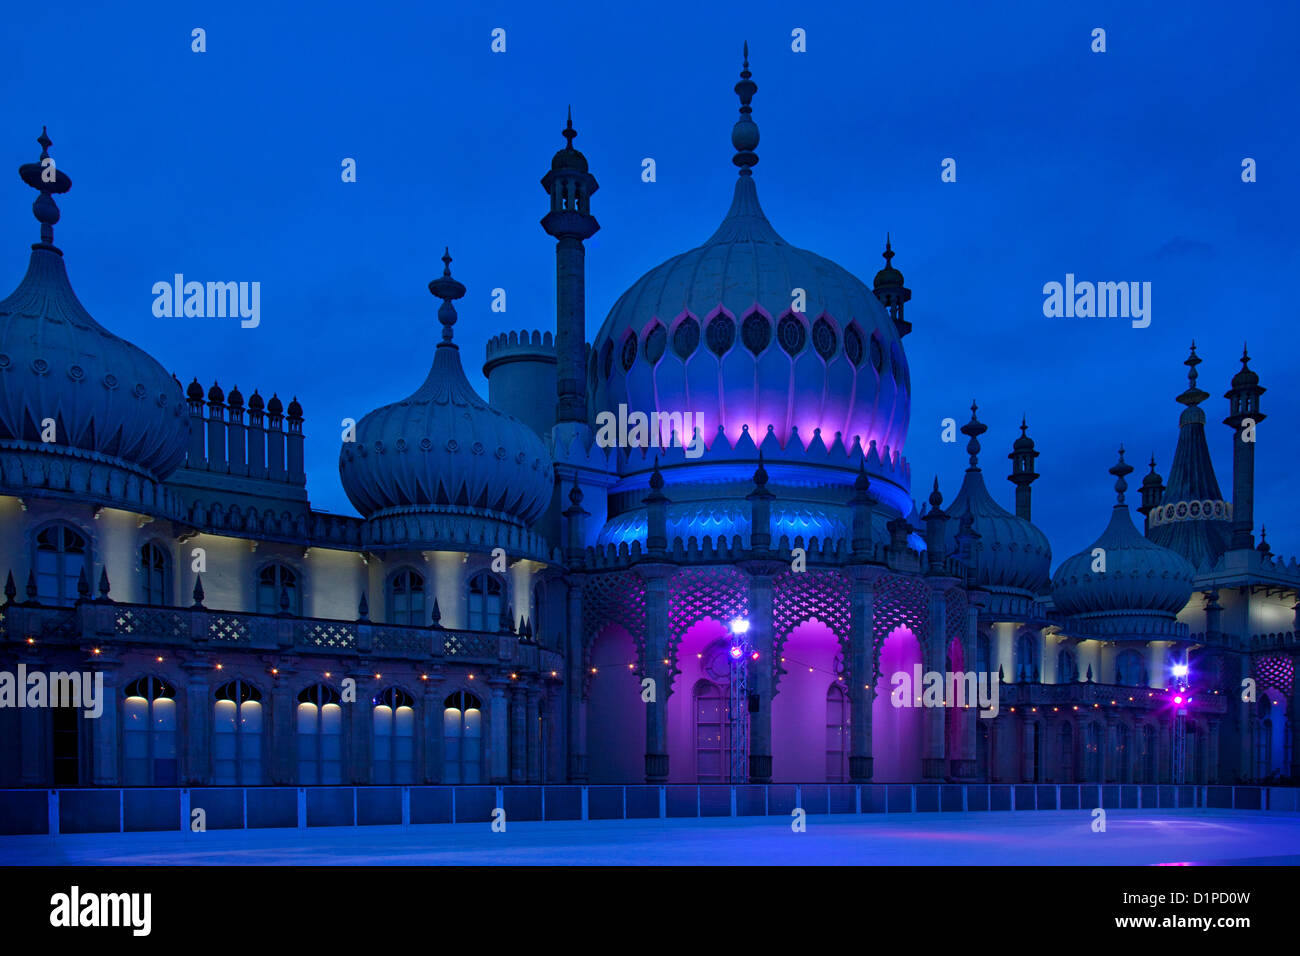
pixel 889 252
pixel 447 289
pixel 744 135
pixel 974 428
pixel 47 179
pixel 569 132
pixel 1193 395
pixel 1119 470
pixel 936 498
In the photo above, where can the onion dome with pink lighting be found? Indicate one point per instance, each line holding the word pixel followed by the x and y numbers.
pixel 759 337
pixel 1123 582
pixel 118 420
pixel 444 449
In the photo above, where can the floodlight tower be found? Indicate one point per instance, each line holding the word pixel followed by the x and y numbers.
pixel 1181 700
pixel 738 717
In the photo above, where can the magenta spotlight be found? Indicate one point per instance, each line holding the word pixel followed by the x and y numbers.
pixel 736 652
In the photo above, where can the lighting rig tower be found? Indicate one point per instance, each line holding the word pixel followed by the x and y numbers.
pixel 738 717
pixel 1181 700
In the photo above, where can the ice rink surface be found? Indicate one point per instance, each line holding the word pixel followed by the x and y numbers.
pixel 1132 837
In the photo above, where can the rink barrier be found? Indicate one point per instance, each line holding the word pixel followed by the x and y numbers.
pixel 134 810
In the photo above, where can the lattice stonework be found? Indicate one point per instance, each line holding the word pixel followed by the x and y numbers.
pixel 322 634
pixel 801 596
pixel 900 602
pixel 719 593
pixel 617 598
pixel 955 616
pixel 1276 672
pixel 232 630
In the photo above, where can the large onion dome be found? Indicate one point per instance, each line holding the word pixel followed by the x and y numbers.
pixel 113 408
pixel 1141 580
pixel 754 334
pixel 444 448
pixel 1012 553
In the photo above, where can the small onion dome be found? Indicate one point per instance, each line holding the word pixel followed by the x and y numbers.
pixel 1152 478
pixel 569 159
pixel 888 277
pixel 111 399
pixel 195 391
pixel 1141 578
pixel 275 406
pixel 1246 377
pixel 1013 552
pixel 235 399
pixel 1024 442
pixel 255 401
pixel 295 410
pixel 444 449
pixel 215 395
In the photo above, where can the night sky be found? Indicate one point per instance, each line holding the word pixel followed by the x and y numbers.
pixel 1122 166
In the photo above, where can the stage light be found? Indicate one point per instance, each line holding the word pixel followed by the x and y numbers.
pixel 736 651
pixel 1180 670
pixel 740 626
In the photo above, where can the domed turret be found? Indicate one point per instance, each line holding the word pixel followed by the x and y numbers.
pixel 444 448
pixel 751 332
pixel 1134 578
pixel 111 403
pixel 1013 554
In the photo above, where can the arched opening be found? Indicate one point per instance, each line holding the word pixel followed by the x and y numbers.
pixel 62 557
pixel 838 734
pixel 406 598
pixel 237 735
pixel 149 734
pixel 320 736
pixel 800 742
pixel 462 739
pixel 393 726
pixel 615 711
pixel 155 575
pixel 277 590
pixel 486 596
pixel 702 655
pixel 896 731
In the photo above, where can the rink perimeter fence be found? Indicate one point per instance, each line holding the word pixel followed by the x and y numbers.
pixel 127 810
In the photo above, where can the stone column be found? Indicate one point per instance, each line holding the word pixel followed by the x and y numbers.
pixel 1212 754
pixel 432 737
pixel 862 670
pixel 763 639
pixel 283 750
pixel 104 733
pixel 575 685
pixel 359 721
pixel 964 765
pixel 499 730
pixel 553 743
pixel 655 578
pixel 533 727
pixel 518 734
pixel 197 733
pixel 934 763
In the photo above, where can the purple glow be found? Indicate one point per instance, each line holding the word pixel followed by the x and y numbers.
pixel 736 652
pixel 896 731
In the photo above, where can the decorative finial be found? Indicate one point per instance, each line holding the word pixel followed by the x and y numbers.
pixel 1119 470
pixel 447 289
pixel 760 474
pixel 974 428
pixel 888 253
pixel 744 135
pixel 1193 395
pixel 47 179
pixel 1245 355
pixel 936 499
pixel 1024 426
pixel 656 479
pixel 1264 546
pixel 569 132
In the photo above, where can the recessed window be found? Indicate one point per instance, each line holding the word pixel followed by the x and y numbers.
pixel 61 559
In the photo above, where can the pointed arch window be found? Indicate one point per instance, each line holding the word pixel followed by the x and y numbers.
pixel 393 723
pixel 1028 654
pixel 756 332
pixel 1067 667
pixel 1128 668
pixel 486 597
pixel 686 337
pixel 155 572
pixel 720 334
pixel 406 598
pixel 276 581
pixel 237 735
pixel 62 556
pixel 149 733
pixel 824 339
pixel 462 744
pixel 791 334
pixel 320 736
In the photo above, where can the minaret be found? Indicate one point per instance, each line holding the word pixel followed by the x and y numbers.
pixel 1243 407
pixel 571 223
pixel 1022 469
pixel 1153 489
pixel 891 292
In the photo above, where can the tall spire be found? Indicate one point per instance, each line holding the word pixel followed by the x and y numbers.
pixel 891 292
pixel 1022 470
pixel 447 289
pixel 744 135
pixel 47 179
pixel 1244 416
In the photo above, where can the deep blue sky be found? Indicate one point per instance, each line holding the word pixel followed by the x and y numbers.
pixel 1117 166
